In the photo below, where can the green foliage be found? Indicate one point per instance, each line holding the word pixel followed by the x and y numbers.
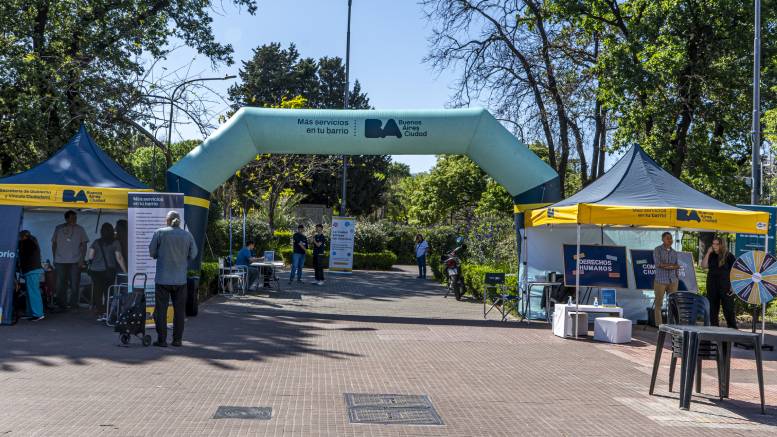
pixel 65 62
pixel 370 237
pixel 147 163
pixel 495 201
pixel 383 260
pixel 256 230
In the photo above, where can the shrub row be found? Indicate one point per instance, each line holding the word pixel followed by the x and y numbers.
pixel 361 261
pixel 474 276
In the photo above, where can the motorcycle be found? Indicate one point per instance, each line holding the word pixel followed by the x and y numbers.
pixel 452 269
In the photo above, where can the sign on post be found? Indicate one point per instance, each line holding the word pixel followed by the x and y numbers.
pixel 644 270
pixel 341 244
pixel 10 220
pixel 145 214
pixel 600 266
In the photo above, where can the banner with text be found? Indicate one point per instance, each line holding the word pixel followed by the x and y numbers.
pixel 341 244
pixel 600 266
pixel 145 214
pixel 645 270
pixel 10 220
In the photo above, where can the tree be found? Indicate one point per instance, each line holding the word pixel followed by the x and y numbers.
pixel 63 63
pixel 274 74
pixel 269 178
pixel 146 162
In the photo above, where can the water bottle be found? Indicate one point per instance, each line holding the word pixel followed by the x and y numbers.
pixel 596 301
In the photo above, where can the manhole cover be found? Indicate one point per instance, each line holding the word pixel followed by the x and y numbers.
pixel 391 409
pixel 256 413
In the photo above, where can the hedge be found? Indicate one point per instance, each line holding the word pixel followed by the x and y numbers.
pixel 209 274
pixel 361 261
pixel 474 276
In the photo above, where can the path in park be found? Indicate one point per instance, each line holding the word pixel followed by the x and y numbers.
pixel 373 332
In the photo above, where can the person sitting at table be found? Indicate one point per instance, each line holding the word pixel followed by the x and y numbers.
pixel 245 257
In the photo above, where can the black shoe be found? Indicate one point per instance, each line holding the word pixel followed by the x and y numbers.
pixel 160 343
pixel 176 343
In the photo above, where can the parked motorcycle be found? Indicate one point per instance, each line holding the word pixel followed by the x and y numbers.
pixel 452 269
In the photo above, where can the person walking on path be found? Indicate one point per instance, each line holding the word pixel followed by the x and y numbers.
pixel 299 244
pixel 319 244
pixel 106 260
pixel 173 248
pixel 667 269
pixel 421 251
pixel 30 266
pixel 718 262
pixel 68 244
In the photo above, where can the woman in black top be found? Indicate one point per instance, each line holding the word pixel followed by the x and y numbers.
pixel 105 261
pixel 718 262
pixel 29 265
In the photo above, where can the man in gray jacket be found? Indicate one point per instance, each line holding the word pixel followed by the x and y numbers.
pixel 173 248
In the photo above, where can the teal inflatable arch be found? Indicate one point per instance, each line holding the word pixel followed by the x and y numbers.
pixel 251 131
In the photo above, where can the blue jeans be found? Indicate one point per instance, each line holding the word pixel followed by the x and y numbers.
pixel 421 266
pixel 34 300
pixel 297 262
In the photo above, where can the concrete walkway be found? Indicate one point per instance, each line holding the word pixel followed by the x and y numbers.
pixel 372 332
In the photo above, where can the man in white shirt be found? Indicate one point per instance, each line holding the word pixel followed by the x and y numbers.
pixel 421 251
pixel 68 244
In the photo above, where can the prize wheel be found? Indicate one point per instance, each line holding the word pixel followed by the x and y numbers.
pixel 754 277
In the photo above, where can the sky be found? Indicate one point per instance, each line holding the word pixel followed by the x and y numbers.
pixel 388 44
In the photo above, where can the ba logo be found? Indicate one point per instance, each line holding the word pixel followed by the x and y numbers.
pixel 688 215
pixel 72 196
pixel 373 128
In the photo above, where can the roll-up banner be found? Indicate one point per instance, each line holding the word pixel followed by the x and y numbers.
pixel 10 220
pixel 341 244
pixel 600 266
pixel 645 270
pixel 145 214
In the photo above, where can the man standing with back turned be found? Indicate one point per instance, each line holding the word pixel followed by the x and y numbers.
pixel 667 273
pixel 173 248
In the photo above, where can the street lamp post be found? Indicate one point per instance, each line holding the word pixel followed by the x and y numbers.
pixel 345 105
pixel 755 193
pixel 172 99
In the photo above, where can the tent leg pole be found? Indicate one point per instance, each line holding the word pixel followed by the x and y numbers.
pixel 577 282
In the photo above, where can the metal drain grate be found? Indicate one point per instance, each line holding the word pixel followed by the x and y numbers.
pixel 391 409
pixel 255 413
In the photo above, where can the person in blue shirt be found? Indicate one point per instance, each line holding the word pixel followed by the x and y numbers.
pixel 244 258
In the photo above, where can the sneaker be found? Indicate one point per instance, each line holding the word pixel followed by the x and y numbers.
pixel 37 319
pixel 320 283
pixel 160 343
pixel 177 343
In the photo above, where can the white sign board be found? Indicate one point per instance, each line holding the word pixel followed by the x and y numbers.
pixel 145 214
pixel 341 244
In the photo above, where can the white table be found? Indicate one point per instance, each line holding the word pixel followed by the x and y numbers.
pixel 561 315
pixel 275 266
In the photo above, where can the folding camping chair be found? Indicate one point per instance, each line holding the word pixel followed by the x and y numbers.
pixel 495 289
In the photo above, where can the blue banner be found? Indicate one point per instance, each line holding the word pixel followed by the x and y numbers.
pixel 10 220
pixel 645 270
pixel 749 242
pixel 600 266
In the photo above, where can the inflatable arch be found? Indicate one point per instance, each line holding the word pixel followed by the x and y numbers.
pixel 472 132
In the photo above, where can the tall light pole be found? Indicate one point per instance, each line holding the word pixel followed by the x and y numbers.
pixel 345 105
pixel 755 193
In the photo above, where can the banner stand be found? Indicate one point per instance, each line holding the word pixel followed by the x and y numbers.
pixel 341 245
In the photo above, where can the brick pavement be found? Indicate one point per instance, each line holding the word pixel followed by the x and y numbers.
pixel 369 333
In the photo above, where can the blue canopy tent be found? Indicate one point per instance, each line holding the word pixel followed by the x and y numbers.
pixel 78 176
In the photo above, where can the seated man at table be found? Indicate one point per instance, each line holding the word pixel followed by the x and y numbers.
pixel 245 257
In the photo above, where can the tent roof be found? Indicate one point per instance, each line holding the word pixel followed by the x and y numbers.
pixel 81 163
pixel 637 180
pixel 636 191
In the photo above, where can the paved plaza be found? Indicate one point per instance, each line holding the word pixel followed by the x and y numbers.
pixel 301 351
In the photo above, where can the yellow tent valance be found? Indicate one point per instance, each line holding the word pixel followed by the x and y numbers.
pixel 65 196
pixel 742 221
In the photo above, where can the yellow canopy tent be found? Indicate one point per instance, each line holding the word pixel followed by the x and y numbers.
pixel 637 192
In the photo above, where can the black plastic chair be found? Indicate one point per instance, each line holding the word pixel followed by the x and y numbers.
pixel 686 308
